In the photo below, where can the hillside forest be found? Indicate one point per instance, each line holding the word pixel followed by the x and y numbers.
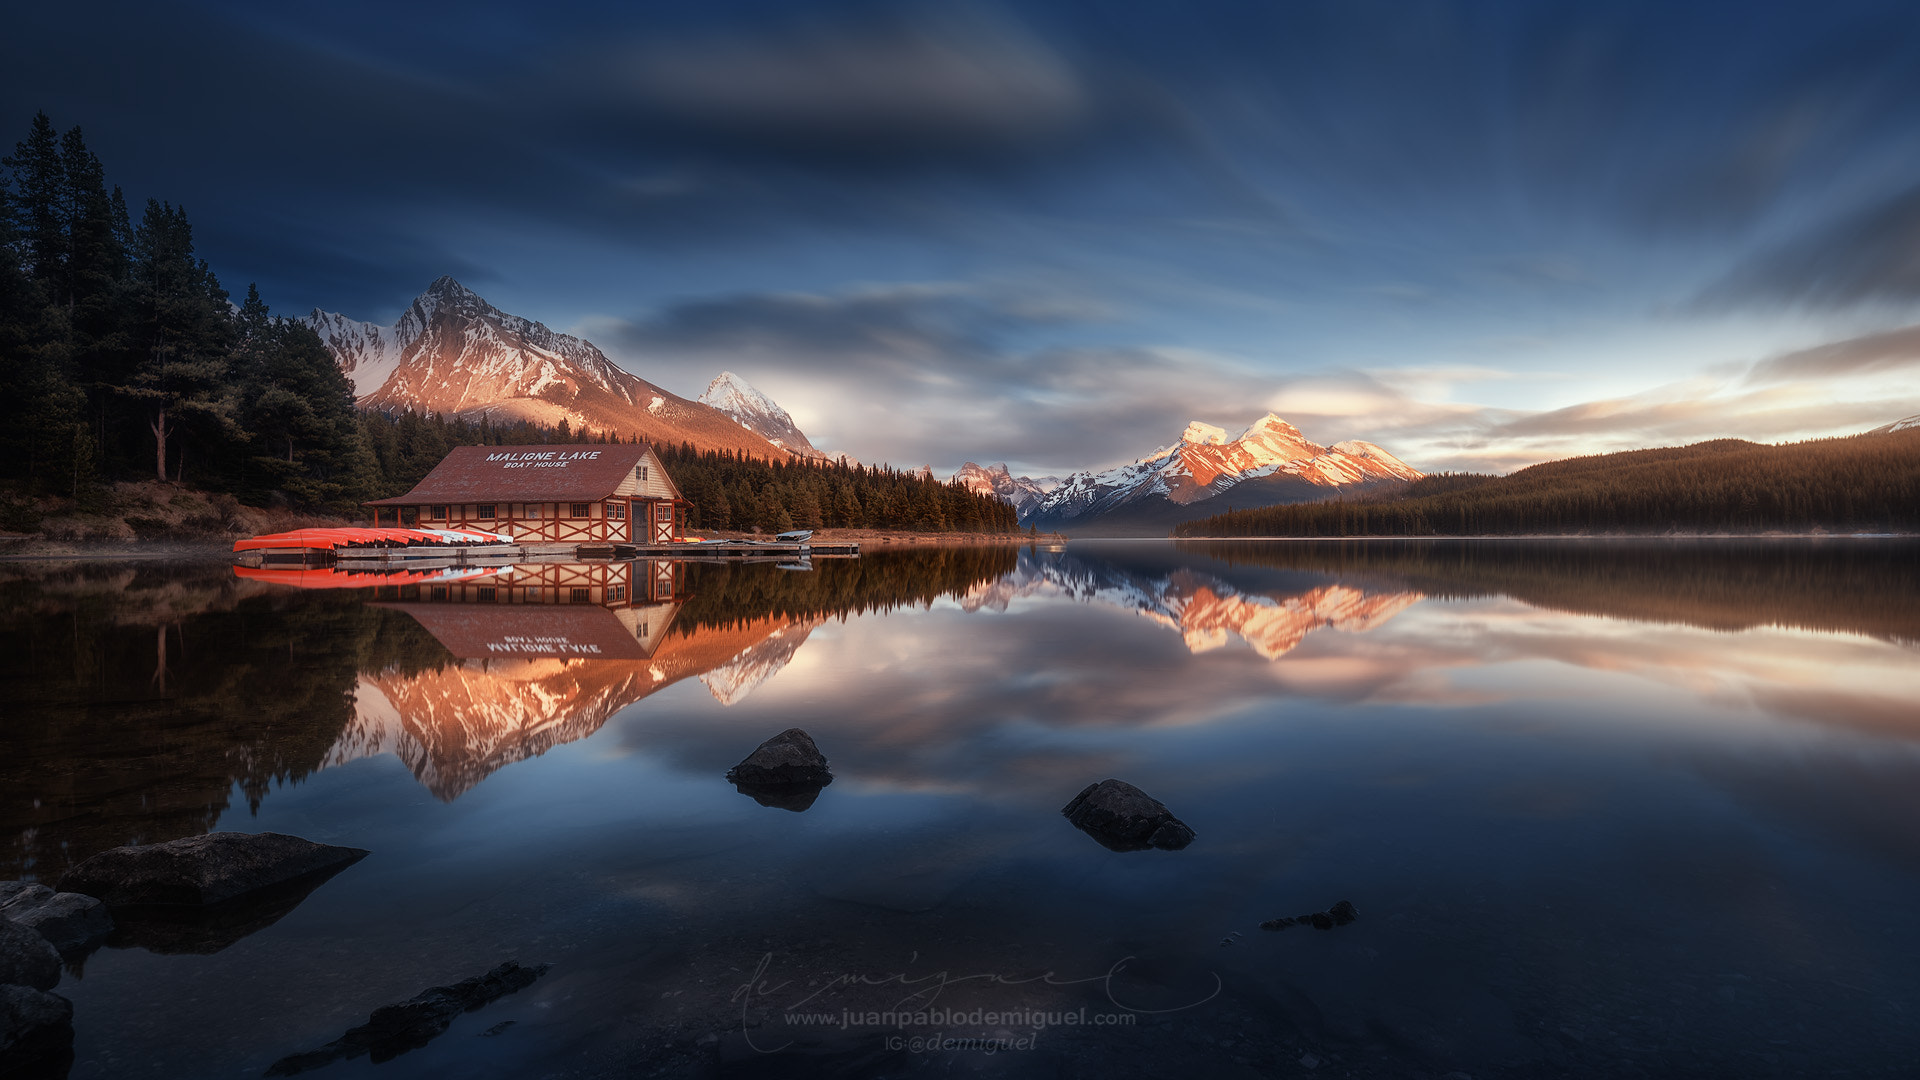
pixel 1860 483
pixel 123 358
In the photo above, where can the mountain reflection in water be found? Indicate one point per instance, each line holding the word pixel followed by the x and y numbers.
pixel 146 694
pixel 1568 785
pixel 151 692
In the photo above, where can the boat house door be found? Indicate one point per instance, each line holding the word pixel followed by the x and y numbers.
pixel 659 516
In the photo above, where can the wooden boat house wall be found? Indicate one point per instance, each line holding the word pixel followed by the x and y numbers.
pixel 583 494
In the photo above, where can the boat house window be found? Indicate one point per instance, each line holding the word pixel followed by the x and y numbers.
pixel 439 513
pixel 579 510
pixel 484 511
pixel 579 596
pixel 487 595
pixel 640 473
pixel 617 511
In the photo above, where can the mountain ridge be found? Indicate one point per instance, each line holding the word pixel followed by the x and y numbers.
pixel 454 353
pixel 1269 462
pixel 758 413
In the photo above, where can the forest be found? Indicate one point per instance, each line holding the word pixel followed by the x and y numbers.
pixel 728 490
pixel 1860 483
pixel 123 358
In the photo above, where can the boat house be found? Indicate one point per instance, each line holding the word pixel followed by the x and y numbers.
pixel 577 493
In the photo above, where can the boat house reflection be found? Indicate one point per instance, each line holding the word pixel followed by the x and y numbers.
pixel 544 654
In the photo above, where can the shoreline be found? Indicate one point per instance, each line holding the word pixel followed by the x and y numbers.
pixel 1564 536
pixel 28 548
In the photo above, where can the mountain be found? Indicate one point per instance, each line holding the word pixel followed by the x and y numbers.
pixel 758 413
pixel 1024 492
pixel 1268 463
pixel 1857 483
pixel 454 353
pixel 1897 425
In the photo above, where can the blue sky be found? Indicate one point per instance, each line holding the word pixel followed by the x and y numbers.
pixel 1479 234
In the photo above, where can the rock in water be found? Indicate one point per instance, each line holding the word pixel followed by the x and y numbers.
pixel 1339 914
pixel 69 921
pixel 36 1034
pixel 202 869
pixel 787 759
pixel 26 958
pixel 1124 818
pixel 393 1030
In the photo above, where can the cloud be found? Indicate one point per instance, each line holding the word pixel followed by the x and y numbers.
pixel 945 372
pixel 1885 351
pixel 1868 255
pixel 885 85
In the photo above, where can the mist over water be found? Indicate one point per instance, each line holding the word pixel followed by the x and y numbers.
pixel 1633 808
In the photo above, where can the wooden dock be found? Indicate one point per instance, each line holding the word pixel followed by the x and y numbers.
pixel 421 555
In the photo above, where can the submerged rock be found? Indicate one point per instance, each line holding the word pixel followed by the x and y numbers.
pixel 201 870
pixel 209 928
pixel 69 921
pixel 1339 914
pixel 36 1034
pixel 789 759
pixel 393 1030
pixel 1124 818
pixel 26 958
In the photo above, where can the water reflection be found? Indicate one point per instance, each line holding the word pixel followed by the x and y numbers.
pixel 150 694
pixel 147 694
pixel 1567 786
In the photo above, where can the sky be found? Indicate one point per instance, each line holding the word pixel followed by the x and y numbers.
pixel 1479 234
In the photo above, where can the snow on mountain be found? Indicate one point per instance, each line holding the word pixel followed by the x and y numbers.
pixel 367 353
pixel 1022 491
pixel 757 412
pixel 454 353
pixel 1205 463
pixel 1898 425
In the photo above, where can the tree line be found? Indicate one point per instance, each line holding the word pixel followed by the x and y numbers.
pixel 728 490
pixel 1856 483
pixel 122 357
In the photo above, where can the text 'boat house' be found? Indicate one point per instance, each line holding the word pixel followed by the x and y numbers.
pixel 592 494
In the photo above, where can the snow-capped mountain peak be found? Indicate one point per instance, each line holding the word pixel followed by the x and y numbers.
pixel 1282 464
pixel 1022 491
pixel 365 352
pixel 1203 434
pixel 756 412
pixel 453 353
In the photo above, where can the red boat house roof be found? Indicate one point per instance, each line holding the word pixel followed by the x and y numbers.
pixel 579 492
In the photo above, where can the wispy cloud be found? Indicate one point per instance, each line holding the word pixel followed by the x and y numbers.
pixel 1888 350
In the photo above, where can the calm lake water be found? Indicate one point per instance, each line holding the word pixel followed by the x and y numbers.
pixel 1605 809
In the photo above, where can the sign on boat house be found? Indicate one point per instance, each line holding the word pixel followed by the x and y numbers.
pixel 608 493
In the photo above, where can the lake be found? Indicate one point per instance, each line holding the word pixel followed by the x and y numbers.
pixel 1603 808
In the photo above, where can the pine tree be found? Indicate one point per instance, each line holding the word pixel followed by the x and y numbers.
pixel 185 334
pixel 38 189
